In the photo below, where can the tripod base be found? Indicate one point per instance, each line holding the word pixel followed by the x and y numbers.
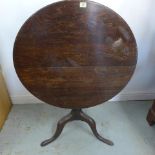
pixel 76 114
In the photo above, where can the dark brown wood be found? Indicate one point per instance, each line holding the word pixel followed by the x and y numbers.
pixel 151 115
pixel 76 114
pixel 75 57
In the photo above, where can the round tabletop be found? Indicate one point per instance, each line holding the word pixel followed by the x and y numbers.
pixel 74 54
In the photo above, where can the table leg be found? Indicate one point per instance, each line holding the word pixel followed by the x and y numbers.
pixel 151 115
pixel 76 114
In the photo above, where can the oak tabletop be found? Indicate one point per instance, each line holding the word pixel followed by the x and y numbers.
pixel 74 54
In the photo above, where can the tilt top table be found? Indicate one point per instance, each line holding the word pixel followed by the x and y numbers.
pixel 75 54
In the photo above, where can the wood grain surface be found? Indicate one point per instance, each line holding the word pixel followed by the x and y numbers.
pixel 75 57
pixel 5 102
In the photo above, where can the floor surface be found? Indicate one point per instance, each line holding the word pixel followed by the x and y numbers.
pixel 122 122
